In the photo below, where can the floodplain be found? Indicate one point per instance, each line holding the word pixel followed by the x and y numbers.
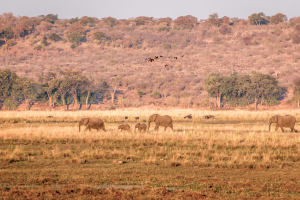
pixel 233 155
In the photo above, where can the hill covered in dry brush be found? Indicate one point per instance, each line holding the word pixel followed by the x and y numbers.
pixel 152 61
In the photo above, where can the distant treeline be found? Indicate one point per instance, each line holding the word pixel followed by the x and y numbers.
pixel 70 86
pixel 243 90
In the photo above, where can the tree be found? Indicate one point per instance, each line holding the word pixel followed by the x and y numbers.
pixel 187 21
pixel 50 86
pixel 214 19
pixel 113 83
pixel 110 21
pixel 6 33
pixel 278 18
pixel 257 18
pixel 54 37
pixel 25 89
pixel 74 37
pixel 7 80
pixel 51 18
pixel 215 86
pixel 73 20
pixel 98 35
pixel 63 89
pixel 296 92
pixel 263 87
pixel 75 81
pixel 77 27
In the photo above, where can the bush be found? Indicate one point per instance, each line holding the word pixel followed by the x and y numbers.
pixel 296 39
pixel 98 35
pixel 44 42
pixel 140 92
pixel 54 37
pixel 73 46
pixel 163 28
pixel 166 46
pixel 247 40
pixel 155 95
pixel 225 30
pixel 38 47
pixel 10 103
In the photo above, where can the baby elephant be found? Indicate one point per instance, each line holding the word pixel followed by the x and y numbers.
pixel 124 127
pixel 141 127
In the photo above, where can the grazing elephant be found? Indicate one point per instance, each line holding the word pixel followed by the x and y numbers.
pixel 283 121
pixel 92 123
pixel 124 127
pixel 189 116
pixel 141 127
pixel 165 121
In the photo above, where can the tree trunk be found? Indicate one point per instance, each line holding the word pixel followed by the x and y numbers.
pixel 50 100
pixel 112 94
pixel 87 99
pixel 255 102
pixel 219 100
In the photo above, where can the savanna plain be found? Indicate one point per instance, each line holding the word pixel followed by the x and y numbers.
pixel 230 156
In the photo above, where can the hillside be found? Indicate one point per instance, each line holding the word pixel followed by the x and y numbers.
pixel 110 48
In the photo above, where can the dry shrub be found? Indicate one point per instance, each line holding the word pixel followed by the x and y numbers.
pixel 225 29
pixel 247 40
pixel 173 101
pixel 296 39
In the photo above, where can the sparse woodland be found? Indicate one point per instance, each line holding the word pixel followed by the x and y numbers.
pixel 87 60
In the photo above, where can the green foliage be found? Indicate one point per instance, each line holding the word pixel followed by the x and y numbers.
pixel 38 47
pixel 214 19
pixel 243 90
pixel 163 28
pixel 74 37
pixel 6 32
pixel 44 42
pixel 73 46
pixel 140 92
pixel 257 18
pixel 73 20
pixel 98 35
pixel 24 88
pixel 58 99
pixel 278 18
pixel 10 103
pixel 7 80
pixel 51 18
pixel 155 95
pixel 110 21
pixel 54 37
pixel 83 96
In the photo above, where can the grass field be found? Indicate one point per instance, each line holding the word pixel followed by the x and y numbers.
pixel 231 156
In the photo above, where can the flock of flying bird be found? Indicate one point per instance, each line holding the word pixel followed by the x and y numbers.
pixel 156 57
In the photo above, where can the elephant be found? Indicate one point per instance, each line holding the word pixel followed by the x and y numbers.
pixel 92 123
pixel 165 121
pixel 125 127
pixel 141 127
pixel 283 121
pixel 189 116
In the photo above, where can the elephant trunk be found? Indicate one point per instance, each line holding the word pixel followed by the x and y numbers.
pixel 79 127
pixel 148 125
pixel 270 126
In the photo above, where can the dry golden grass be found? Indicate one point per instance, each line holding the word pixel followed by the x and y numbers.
pixel 41 151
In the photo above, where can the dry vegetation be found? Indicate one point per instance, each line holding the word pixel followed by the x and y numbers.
pixel 230 156
pixel 126 45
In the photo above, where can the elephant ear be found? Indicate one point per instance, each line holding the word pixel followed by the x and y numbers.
pixel 154 117
pixel 86 121
pixel 276 118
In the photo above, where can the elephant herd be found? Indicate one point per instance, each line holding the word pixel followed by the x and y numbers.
pixel 166 121
pixel 96 123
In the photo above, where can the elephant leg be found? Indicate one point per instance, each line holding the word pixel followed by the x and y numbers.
pixel 165 128
pixel 171 126
pixel 281 129
pixel 276 127
pixel 156 128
